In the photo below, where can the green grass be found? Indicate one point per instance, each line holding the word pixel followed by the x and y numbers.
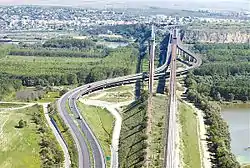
pixel 121 88
pixel 101 122
pixel 189 137
pixel 26 65
pixel 156 140
pixel 19 147
pixel 10 105
pixel 117 96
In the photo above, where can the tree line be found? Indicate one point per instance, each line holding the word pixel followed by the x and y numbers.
pixel 64 47
pixel 70 43
pixel 42 52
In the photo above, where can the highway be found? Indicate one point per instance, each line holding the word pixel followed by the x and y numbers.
pixel 80 128
pixel 81 144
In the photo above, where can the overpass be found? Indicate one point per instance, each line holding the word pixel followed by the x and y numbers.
pixel 81 132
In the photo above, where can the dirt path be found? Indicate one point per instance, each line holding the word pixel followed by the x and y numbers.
pixel 17 108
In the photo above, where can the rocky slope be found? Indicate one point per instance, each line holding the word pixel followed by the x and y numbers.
pixel 221 34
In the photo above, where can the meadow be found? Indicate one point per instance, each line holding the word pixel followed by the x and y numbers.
pixel 19 146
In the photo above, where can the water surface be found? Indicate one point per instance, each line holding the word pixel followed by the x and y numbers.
pixel 113 44
pixel 238 120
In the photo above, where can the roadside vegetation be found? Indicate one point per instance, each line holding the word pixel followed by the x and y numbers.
pixel 217 129
pixel 66 135
pixel 118 94
pixel 50 151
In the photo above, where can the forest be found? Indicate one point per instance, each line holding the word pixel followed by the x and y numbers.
pixel 68 61
pixel 44 71
pixel 225 73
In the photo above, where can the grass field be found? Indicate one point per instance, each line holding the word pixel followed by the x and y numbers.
pixel 189 137
pixel 101 122
pixel 18 147
pixel 121 88
pixel 116 94
pixel 24 65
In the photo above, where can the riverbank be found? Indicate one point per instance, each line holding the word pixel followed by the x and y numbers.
pixel 234 104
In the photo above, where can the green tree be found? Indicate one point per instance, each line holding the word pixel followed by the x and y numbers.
pixel 72 79
pixel 21 124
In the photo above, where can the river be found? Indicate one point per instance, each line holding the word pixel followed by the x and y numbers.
pixel 113 44
pixel 238 120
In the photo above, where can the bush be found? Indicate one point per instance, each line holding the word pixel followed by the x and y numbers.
pixel 21 124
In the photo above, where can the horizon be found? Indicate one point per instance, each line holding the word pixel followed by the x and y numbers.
pixel 240 5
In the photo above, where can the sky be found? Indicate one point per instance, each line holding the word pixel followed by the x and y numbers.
pixel 177 4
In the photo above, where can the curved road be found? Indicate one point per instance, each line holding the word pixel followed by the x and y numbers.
pixel 73 95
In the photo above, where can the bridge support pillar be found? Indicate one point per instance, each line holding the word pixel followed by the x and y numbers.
pixel 189 58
